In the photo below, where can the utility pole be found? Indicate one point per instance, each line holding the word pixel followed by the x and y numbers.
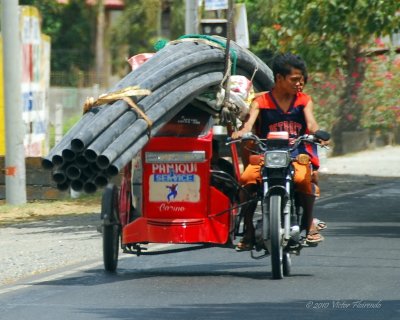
pixel 101 76
pixel 15 129
pixel 191 17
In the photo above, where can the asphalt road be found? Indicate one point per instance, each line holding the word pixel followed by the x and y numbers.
pixel 354 274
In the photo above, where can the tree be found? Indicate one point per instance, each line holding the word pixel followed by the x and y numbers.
pixel 332 36
pixel 72 30
pixel 139 27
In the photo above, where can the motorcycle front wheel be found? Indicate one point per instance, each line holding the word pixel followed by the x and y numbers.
pixel 275 203
pixel 287 264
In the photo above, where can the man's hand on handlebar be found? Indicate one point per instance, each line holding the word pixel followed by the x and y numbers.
pixel 322 137
pixel 238 134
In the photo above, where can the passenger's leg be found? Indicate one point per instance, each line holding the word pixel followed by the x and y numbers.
pixel 249 180
pixel 248 210
pixel 308 190
pixel 307 203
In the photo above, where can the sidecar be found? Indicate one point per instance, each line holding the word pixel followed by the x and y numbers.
pixel 177 190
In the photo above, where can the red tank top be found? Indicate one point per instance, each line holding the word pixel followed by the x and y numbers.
pixel 273 118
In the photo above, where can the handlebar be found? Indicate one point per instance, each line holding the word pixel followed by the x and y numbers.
pixel 310 138
pixel 246 136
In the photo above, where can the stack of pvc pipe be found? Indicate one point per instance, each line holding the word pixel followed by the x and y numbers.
pixel 107 137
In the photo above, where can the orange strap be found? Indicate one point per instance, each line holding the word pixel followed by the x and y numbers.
pixel 125 95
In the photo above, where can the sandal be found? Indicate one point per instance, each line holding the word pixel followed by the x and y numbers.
pixel 319 224
pixel 314 237
pixel 244 245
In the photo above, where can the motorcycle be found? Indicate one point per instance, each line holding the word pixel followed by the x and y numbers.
pixel 173 192
pixel 278 230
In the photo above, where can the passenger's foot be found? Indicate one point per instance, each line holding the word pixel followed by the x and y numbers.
pixel 314 237
pixel 319 224
pixel 244 245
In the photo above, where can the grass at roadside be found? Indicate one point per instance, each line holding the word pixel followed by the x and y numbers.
pixel 40 210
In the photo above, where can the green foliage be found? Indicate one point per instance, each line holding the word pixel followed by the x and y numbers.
pixel 135 31
pixel 324 32
pixel 332 36
pixel 258 16
pixel 324 91
pixel 51 13
pixel 379 93
pixel 73 47
pixel 177 26
pixel 67 125
pixel 138 28
pixel 72 30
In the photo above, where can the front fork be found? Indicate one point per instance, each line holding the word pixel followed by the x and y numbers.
pixel 263 226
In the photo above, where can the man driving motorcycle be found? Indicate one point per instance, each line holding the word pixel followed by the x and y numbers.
pixel 284 108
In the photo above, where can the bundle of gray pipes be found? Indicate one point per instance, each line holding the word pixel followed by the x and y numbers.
pixel 115 127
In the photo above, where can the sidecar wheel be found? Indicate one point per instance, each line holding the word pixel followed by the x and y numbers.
pixel 110 247
pixel 110 228
pixel 287 264
pixel 276 237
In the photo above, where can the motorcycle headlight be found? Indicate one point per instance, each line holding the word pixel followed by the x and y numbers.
pixel 276 159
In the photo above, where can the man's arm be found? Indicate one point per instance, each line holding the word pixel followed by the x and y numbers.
pixel 312 124
pixel 253 114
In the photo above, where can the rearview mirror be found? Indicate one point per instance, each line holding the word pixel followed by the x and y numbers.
pixel 322 135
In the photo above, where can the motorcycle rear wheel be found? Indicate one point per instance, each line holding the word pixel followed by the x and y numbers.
pixel 276 236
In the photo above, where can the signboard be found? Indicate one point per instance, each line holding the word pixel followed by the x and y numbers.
pixel 174 182
pixel 35 84
pixel 216 5
pixel 241 27
pixel 2 112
